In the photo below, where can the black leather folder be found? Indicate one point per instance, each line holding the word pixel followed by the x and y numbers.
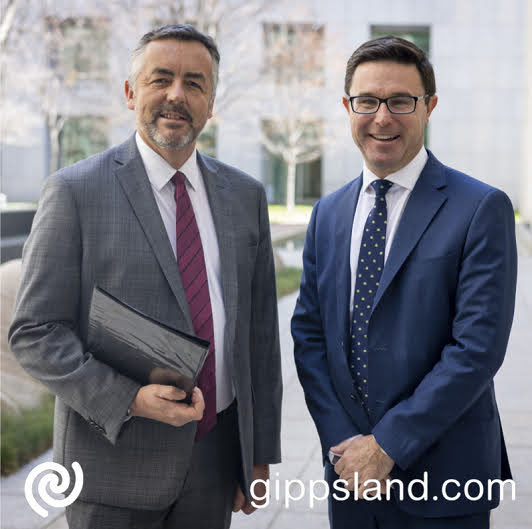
pixel 140 347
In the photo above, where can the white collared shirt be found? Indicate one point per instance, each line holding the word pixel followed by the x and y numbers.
pixel 397 196
pixel 160 173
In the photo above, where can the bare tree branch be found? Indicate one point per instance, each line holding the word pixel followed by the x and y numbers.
pixel 7 21
pixel 46 91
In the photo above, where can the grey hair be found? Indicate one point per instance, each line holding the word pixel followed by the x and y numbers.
pixel 181 32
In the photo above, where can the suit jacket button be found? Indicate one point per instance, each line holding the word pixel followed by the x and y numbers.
pixel 353 396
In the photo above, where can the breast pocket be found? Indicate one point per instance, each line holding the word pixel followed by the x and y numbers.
pixel 432 256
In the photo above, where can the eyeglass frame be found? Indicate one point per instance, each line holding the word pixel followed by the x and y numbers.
pixel 385 101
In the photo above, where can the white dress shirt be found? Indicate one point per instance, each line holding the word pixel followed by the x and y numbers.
pixel 397 196
pixel 160 173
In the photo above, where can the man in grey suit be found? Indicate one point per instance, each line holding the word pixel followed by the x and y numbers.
pixel 121 220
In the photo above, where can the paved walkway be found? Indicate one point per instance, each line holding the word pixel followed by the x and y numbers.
pixel 301 453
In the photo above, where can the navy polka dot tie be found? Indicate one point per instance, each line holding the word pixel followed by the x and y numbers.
pixel 369 271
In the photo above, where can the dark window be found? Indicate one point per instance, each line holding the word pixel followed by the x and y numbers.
pixel 281 147
pixel 419 35
pixel 82 136
pixel 207 139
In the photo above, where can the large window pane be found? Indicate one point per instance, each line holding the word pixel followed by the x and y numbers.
pixel 82 136
pixel 308 179
pixel 286 141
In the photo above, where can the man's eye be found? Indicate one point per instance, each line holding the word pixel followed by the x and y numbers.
pixel 160 81
pixel 193 84
pixel 401 101
pixel 366 102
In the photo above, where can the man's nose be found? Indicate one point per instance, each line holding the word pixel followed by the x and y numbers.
pixel 176 91
pixel 383 115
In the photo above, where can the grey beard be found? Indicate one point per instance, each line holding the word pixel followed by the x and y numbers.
pixel 168 143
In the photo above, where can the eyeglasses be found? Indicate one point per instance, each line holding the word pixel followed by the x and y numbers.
pixel 395 104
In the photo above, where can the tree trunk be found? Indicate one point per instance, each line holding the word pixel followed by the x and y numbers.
pixel 291 186
pixel 55 126
pixel 54 150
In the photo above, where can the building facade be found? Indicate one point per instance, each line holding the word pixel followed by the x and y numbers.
pixel 282 74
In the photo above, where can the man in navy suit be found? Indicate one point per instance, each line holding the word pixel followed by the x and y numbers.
pixel 405 308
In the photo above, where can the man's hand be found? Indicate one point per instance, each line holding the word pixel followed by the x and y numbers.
pixel 239 503
pixel 161 403
pixel 364 456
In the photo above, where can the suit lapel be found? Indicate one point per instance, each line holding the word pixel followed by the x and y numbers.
pixel 220 197
pixel 345 212
pixel 134 181
pixel 424 202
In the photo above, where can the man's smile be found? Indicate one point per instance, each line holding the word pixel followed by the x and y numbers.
pixel 384 137
pixel 174 116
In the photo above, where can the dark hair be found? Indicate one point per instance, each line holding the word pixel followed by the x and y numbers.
pixel 393 49
pixel 177 32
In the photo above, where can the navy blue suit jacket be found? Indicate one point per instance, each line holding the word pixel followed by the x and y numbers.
pixel 437 334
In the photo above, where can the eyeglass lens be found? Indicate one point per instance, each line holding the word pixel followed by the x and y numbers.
pixel 396 104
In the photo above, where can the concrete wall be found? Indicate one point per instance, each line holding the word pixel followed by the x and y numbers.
pixel 478 50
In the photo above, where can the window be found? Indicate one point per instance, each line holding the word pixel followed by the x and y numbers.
pixel 82 136
pixel 294 51
pixel 285 142
pixel 308 180
pixel 199 14
pixel 419 35
pixel 207 139
pixel 79 48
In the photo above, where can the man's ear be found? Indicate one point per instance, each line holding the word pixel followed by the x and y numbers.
pixel 346 103
pixel 433 101
pixel 130 96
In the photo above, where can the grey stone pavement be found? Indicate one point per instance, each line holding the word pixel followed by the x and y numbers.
pixel 300 447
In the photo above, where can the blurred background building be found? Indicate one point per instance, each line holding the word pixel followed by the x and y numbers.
pixel 278 112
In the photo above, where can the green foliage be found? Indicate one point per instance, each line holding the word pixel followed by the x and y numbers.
pixel 26 435
pixel 287 281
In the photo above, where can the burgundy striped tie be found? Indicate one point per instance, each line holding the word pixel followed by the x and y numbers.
pixel 191 264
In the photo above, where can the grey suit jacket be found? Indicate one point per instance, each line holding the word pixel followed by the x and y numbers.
pixel 98 223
